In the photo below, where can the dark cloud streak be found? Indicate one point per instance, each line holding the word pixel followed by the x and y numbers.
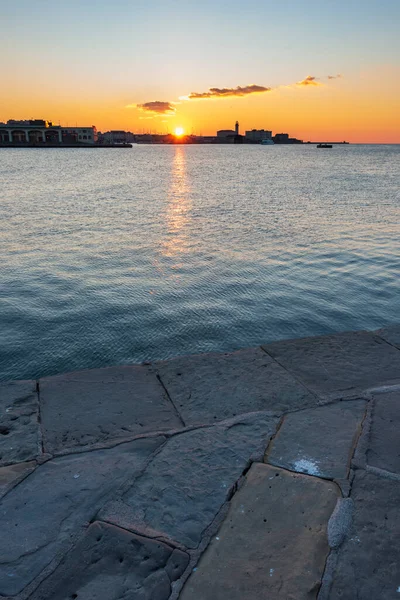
pixel 226 92
pixel 157 107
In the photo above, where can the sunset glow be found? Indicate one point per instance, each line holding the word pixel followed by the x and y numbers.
pixel 320 71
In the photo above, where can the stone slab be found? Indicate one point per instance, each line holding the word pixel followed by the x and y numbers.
pixel 368 565
pixel 42 515
pixel 213 387
pixel 273 542
pixel 390 334
pixel 110 563
pixel 355 360
pixel 319 441
pixel 384 442
pixel 19 427
pixel 13 474
pixel 97 405
pixel 186 484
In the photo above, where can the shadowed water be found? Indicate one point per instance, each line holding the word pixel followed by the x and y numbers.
pixel 118 256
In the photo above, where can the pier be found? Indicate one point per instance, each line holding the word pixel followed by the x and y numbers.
pixel 43 146
pixel 268 472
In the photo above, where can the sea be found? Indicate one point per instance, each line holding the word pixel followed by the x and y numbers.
pixel 119 256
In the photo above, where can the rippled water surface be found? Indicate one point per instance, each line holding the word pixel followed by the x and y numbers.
pixel 118 256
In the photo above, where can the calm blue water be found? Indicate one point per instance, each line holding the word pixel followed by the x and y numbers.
pixel 119 256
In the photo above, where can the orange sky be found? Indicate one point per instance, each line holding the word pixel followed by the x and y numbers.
pixel 350 108
pixel 77 64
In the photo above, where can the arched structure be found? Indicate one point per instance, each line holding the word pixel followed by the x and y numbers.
pixel 19 136
pixel 53 136
pixel 35 136
pixel 5 137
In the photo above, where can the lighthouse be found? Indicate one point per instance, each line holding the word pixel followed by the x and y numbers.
pixel 237 128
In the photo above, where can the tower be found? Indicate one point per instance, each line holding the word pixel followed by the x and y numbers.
pixel 237 128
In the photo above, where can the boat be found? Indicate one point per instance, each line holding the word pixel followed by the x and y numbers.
pixel 267 142
pixel 324 146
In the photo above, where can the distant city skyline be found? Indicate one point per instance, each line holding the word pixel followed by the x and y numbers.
pixel 321 70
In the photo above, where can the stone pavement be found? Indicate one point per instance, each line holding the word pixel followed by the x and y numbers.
pixel 270 473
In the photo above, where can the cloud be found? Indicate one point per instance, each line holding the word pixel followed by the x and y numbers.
pixel 226 92
pixel 156 108
pixel 309 80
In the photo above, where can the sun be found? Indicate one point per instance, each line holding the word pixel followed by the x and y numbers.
pixel 179 131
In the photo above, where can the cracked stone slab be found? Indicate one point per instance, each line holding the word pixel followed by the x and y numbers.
pixel 88 407
pixel 189 480
pixel 13 474
pixel 319 441
pixel 368 565
pixel 384 442
pixel 390 334
pixel 19 427
pixel 350 361
pixel 271 544
pixel 42 515
pixel 213 387
pixel 110 563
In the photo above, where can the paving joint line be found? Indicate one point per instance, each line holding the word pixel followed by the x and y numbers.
pixel 278 428
pixel 387 342
pixel 391 475
pixel 168 542
pixel 113 443
pixel 360 431
pixel 295 377
pixel 18 480
pixel 359 458
pixel 178 414
pixel 39 419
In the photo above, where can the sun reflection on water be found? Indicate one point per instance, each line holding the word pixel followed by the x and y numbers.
pixel 177 215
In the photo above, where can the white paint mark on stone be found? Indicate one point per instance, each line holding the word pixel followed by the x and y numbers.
pixel 76 476
pixel 217 538
pixel 271 572
pixel 305 465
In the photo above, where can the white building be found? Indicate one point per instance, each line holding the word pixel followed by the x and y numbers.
pixel 38 131
pixel 34 131
pixel 79 135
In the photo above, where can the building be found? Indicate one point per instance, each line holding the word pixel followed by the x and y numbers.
pixel 116 137
pixel 79 135
pixel 283 138
pixel 258 135
pixel 225 133
pixel 31 131
pixel 39 131
pixel 229 136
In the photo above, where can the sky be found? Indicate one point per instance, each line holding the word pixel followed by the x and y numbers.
pixel 318 69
